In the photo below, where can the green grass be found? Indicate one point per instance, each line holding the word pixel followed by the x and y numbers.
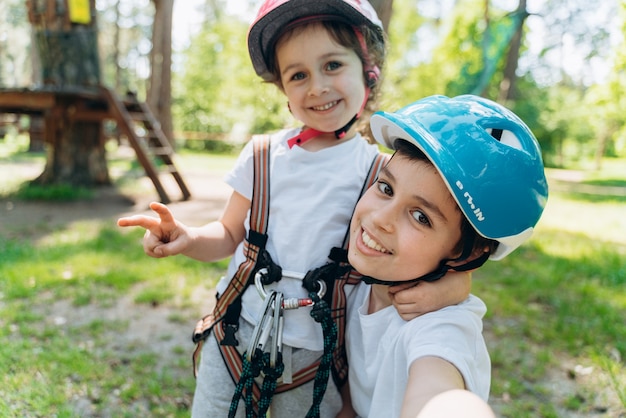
pixel 60 192
pixel 45 366
pixel 558 302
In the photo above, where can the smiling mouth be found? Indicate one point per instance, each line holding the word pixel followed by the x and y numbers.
pixel 370 243
pixel 326 106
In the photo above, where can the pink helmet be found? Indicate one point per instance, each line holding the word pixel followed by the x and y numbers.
pixel 275 15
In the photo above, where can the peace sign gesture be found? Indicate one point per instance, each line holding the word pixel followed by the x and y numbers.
pixel 164 236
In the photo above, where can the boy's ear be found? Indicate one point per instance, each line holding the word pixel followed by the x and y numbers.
pixel 477 253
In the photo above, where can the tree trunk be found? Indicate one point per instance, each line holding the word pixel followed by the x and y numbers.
pixel 507 86
pixel 78 158
pixel 68 51
pixel 159 95
pixel 116 48
pixel 384 10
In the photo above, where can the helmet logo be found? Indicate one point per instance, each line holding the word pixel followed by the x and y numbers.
pixel 470 201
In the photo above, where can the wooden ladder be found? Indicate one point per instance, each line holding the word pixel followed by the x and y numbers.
pixel 144 133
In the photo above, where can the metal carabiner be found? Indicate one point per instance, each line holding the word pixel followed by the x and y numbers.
pixel 262 328
pixel 277 329
pixel 291 303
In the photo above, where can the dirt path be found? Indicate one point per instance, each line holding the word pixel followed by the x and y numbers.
pixel 149 327
pixel 30 219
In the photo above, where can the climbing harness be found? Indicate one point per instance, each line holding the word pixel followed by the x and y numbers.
pixel 264 353
pixel 257 358
pixel 291 303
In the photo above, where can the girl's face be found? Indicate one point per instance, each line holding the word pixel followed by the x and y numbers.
pixel 323 81
pixel 405 224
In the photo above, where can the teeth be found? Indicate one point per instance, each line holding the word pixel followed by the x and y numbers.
pixel 372 244
pixel 326 106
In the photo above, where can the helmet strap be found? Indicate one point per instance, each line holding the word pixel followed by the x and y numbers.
pixel 442 269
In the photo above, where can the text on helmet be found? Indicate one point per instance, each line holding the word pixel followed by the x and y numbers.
pixel 470 201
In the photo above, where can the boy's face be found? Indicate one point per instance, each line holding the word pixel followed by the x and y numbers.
pixel 323 81
pixel 405 224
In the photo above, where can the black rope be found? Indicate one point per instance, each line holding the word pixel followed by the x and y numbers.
pixel 321 313
pixel 269 381
pixel 250 370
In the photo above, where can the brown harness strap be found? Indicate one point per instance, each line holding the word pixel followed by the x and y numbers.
pixel 255 243
pixel 259 214
pixel 352 277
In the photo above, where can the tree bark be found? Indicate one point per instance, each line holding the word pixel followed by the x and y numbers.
pixel 78 157
pixel 507 85
pixel 68 53
pixel 159 95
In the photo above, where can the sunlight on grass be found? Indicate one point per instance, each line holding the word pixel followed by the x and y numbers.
pixel 602 221
pixel 557 303
pixel 13 144
pixel 561 294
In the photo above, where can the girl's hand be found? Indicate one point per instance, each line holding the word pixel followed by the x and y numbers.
pixel 164 235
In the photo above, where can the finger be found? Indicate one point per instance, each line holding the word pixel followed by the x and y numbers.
pixel 157 247
pixel 143 221
pixel 168 249
pixel 399 288
pixel 167 219
pixel 152 245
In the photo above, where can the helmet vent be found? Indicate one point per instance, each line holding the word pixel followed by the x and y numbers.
pixel 497 133
pixel 505 137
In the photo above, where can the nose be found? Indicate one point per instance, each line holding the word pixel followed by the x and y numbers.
pixel 318 85
pixel 384 217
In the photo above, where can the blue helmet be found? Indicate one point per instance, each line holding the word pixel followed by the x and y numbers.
pixel 486 155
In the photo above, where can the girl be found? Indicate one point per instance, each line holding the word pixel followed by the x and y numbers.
pixel 325 56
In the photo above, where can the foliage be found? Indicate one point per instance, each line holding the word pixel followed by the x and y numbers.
pixel 15 64
pixel 568 135
pixel 212 146
pixel 218 91
pixel 441 51
pixel 570 69
pixel 125 31
pixel 405 51
pixel 607 101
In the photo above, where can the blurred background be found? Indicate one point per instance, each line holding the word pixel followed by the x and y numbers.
pixel 558 63
pixel 91 327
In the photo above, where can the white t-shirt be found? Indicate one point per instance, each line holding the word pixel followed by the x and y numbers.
pixel 382 346
pixel 312 197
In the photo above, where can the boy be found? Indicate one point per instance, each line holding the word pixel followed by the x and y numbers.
pixel 466 183
pixel 289 217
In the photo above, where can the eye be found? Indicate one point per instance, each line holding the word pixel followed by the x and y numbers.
pixel 333 65
pixel 384 188
pixel 298 76
pixel 420 217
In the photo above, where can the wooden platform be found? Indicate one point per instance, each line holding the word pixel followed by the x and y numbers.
pixel 133 118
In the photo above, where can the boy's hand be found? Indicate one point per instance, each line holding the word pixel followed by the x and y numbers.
pixel 164 235
pixel 413 300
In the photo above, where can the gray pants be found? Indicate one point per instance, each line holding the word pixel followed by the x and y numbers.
pixel 215 387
